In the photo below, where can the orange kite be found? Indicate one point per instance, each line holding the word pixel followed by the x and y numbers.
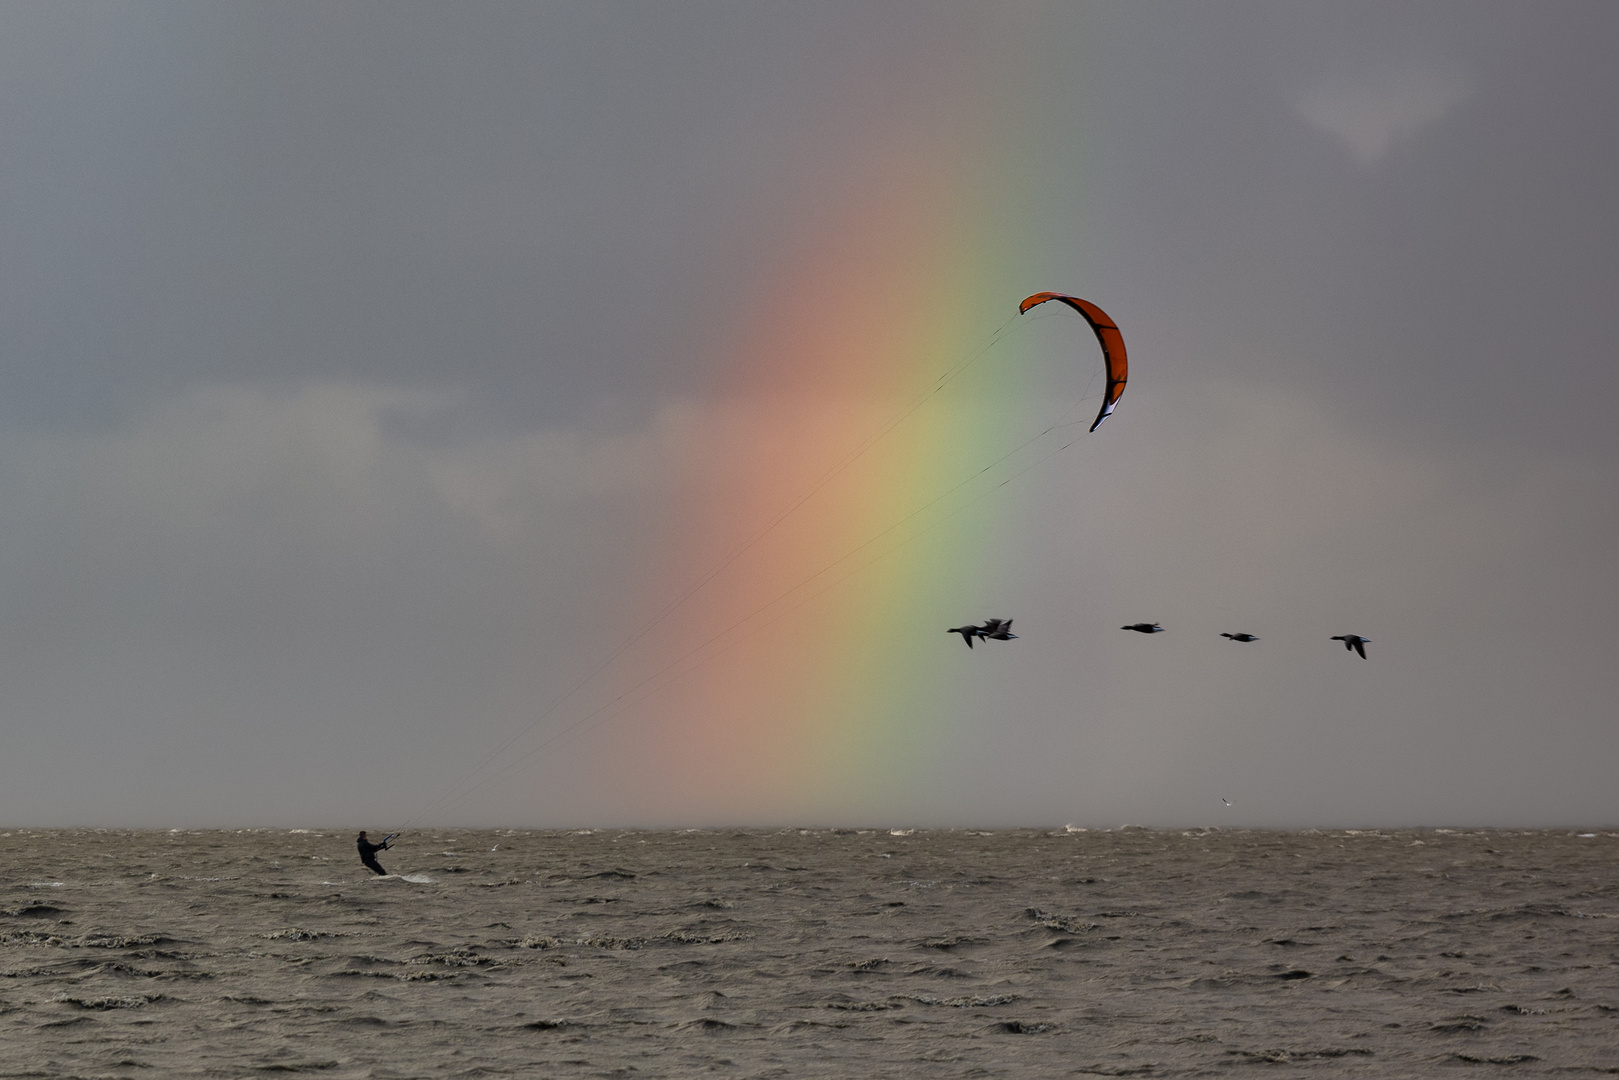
pixel 1106 333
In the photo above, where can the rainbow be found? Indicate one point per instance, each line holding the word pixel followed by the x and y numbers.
pixel 806 671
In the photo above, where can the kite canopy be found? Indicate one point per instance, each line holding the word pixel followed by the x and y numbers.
pixel 1106 333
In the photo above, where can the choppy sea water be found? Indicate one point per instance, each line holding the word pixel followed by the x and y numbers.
pixel 815 953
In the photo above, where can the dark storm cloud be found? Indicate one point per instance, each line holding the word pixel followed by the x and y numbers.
pixel 348 353
pixel 521 199
pixel 1446 280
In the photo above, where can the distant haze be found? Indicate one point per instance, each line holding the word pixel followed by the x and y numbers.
pixel 374 372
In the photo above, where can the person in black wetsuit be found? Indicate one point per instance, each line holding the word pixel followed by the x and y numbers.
pixel 368 852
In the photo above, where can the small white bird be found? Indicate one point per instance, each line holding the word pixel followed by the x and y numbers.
pixel 1226 801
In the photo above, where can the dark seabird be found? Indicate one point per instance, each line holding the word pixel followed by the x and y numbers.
pixel 1002 631
pixel 1240 637
pixel 994 629
pixel 1354 641
pixel 1144 628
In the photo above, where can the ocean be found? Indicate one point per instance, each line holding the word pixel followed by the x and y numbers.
pixel 810 953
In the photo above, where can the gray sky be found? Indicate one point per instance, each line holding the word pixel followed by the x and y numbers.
pixel 355 359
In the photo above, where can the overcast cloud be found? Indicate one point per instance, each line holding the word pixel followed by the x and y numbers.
pixel 353 357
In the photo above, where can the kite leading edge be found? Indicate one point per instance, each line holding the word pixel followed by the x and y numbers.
pixel 1107 334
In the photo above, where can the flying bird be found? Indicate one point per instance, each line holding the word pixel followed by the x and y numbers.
pixel 993 629
pixel 1354 641
pixel 1144 628
pixel 1240 637
pixel 1226 801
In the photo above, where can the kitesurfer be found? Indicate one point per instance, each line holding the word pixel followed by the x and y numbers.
pixel 368 852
